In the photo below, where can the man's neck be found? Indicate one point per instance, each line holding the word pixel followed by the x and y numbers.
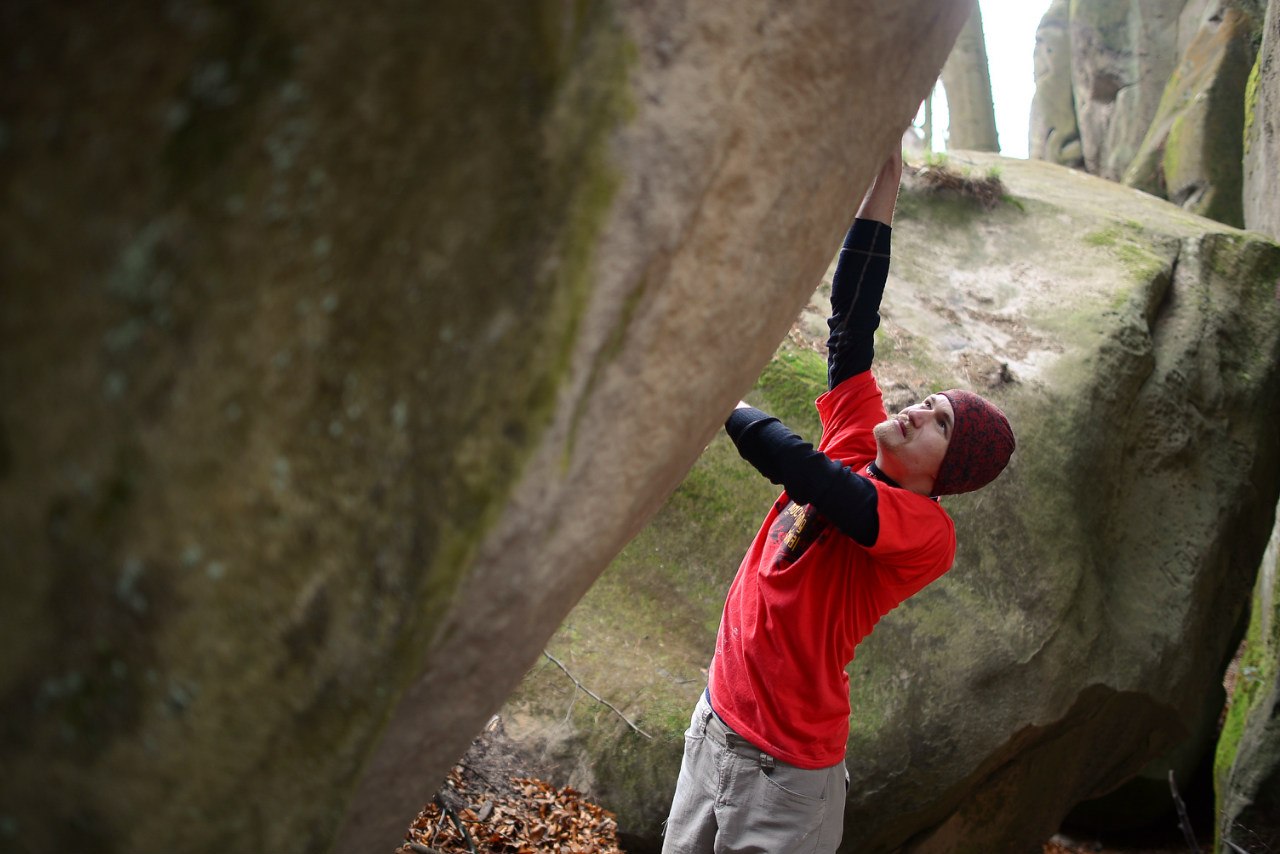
pixel 878 473
pixel 883 470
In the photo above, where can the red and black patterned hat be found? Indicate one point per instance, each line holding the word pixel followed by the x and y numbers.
pixel 980 447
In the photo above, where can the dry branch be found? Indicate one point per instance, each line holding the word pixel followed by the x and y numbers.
pixel 594 695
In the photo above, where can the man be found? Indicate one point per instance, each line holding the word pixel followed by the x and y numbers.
pixel 857 531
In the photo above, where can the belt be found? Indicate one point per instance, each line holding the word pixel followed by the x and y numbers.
pixel 718 731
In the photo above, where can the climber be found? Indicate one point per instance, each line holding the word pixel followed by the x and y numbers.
pixel 857 531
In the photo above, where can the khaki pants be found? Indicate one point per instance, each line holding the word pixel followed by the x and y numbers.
pixel 732 798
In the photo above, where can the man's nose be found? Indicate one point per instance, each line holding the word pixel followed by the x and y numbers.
pixel 916 416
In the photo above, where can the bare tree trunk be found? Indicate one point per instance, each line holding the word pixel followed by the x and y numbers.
pixel 928 120
pixel 968 84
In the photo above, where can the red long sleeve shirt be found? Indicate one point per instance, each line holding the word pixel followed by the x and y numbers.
pixel 807 593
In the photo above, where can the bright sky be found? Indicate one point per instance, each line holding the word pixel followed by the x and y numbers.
pixel 1010 29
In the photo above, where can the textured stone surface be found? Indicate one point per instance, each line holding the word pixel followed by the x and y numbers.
pixel 1123 52
pixel 1098 585
pixel 1157 94
pixel 967 80
pixel 1193 151
pixel 1262 133
pixel 1053 130
pixel 1247 767
pixel 342 348
pixel 1247 770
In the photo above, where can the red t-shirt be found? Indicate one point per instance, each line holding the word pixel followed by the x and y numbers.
pixel 806 594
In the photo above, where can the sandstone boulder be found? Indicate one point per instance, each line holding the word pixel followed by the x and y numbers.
pixel 1099 585
pixel 1054 133
pixel 1157 94
pixel 1122 53
pixel 343 346
pixel 1262 132
pixel 967 80
pixel 1247 766
pixel 1193 151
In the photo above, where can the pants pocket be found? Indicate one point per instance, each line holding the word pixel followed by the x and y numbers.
pixel 795 785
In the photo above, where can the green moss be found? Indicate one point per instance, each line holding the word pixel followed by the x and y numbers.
pixel 588 96
pixel 1107 236
pixel 1171 160
pixel 904 349
pixel 1257 669
pixel 789 385
pixel 635 770
pixel 1131 246
pixel 674 559
pixel 1251 91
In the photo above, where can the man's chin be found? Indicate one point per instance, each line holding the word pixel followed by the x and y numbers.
pixel 886 432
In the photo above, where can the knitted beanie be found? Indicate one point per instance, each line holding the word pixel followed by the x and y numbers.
pixel 980 447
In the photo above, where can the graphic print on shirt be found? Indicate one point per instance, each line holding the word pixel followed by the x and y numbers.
pixel 793 531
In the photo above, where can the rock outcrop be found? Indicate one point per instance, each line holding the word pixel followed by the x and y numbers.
pixel 1156 95
pixel 1054 132
pixel 1262 132
pixel 343 346
pixel 1247 766
pixel 967 80
pixel 1099 584
pixel 1122 53
pixel 1193 151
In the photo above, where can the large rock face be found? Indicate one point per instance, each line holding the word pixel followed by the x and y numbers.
pixel 1122 53
pixel 1155 92
pixel 1099 585
pixel 1054 132
pixel 1262 132
pixel 344 346
pixel 967 80
pixel 1193 150
pixel 1247 767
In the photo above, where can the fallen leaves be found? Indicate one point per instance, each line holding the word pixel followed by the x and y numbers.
pixel 534 817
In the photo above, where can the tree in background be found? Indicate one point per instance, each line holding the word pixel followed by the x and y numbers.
pixel 967 82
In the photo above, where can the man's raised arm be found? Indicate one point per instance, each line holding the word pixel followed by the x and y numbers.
pixel 860 277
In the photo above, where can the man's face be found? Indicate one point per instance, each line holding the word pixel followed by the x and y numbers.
pixel 913 442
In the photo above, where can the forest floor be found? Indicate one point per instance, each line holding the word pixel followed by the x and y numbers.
pixel 492 802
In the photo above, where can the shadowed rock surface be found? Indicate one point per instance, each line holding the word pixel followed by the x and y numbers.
pixel 1247 764
pixel 1099 585
pixel 344 345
